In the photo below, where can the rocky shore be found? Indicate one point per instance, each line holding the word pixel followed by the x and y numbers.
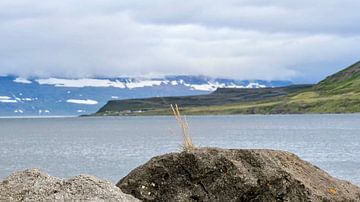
pixel 204 174
pixel 34 185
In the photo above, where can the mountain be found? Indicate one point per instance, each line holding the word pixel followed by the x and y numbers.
pixel 222 96
pixel 338 93
pixel 62 96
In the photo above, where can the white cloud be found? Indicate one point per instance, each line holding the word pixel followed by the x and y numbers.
pixel 302 40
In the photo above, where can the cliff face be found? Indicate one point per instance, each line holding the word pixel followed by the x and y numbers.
pixel 210 174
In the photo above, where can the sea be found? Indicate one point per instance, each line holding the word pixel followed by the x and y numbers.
pixel 110 147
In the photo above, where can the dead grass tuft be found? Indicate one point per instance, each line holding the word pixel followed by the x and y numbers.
pixel 187 144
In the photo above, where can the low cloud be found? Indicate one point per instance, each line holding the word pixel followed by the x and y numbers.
pixel 300 41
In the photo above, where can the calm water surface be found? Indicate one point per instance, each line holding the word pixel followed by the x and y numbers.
pixel 112 146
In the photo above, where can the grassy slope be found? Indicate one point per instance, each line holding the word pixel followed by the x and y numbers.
pixel 339 93
pixel 307 102
pixel 221 97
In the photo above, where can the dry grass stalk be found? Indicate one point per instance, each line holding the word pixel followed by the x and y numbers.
pixel 188 144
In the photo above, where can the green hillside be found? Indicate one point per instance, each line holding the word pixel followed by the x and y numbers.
pixel 222 96
pixel 338 93
pixel 345 81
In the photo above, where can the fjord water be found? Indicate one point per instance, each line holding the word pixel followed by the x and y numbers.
pixel 110 147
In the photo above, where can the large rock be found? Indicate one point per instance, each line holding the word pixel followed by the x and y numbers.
pixel 210 174
pixel 33 185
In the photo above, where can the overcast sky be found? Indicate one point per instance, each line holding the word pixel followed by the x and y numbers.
pixel 302 41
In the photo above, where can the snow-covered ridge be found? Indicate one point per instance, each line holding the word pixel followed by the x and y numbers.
pixel 21 96
pixel 208 85
pixel 80 83
pixel 212 86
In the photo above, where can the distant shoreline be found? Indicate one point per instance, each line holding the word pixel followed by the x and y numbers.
pixel 35 117
pixel 163 115
pixel 219 115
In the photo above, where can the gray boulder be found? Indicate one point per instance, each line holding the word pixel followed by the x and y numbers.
pixel 210 174
pixel 34 185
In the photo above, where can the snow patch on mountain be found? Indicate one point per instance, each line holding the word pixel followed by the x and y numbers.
pixel 4 97
pixel 174 83
pixel 144 83
pixel 205 87
pixel 19 111
pixel 27 99
pixel 255 85
pixel 22 80
pixel 7 99
pixel 212 86
pixel 84 102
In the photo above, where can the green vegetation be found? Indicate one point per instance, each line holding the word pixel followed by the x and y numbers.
pixel 339 93
pixel 221 97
